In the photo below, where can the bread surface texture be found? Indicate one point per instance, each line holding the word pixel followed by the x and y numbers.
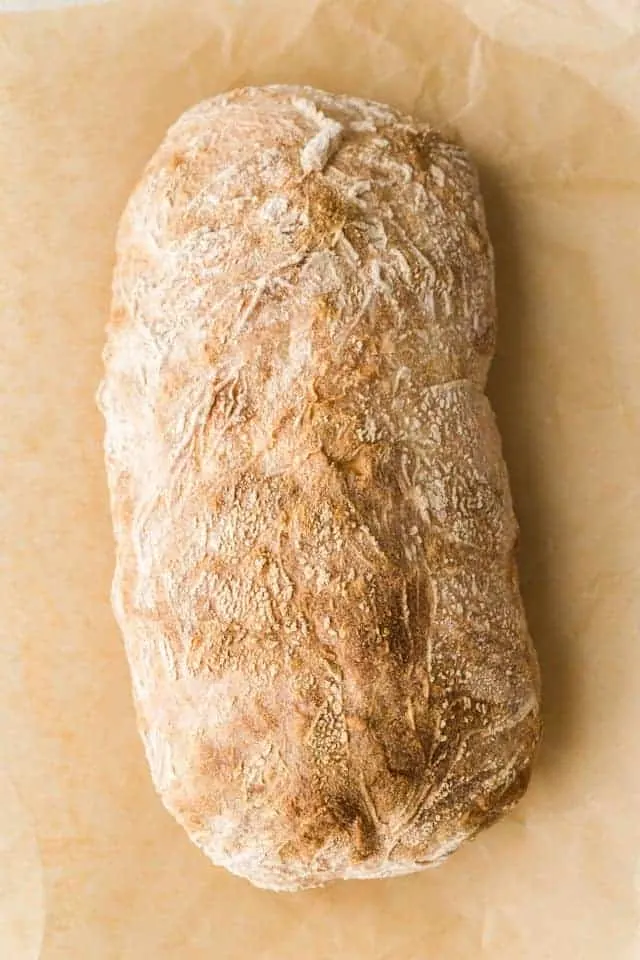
pixel 315 576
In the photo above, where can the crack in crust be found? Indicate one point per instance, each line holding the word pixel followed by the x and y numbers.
pixel 315 539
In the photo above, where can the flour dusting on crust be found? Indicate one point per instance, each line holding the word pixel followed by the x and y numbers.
pixel 315 539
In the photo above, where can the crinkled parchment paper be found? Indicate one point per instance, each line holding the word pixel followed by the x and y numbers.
pixel 546 94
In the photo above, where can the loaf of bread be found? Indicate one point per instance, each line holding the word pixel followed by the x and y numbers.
pixel 315 576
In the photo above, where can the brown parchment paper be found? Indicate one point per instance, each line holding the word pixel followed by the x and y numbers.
pixel 547 97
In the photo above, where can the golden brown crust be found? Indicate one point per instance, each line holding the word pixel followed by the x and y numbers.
pixel 315 538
